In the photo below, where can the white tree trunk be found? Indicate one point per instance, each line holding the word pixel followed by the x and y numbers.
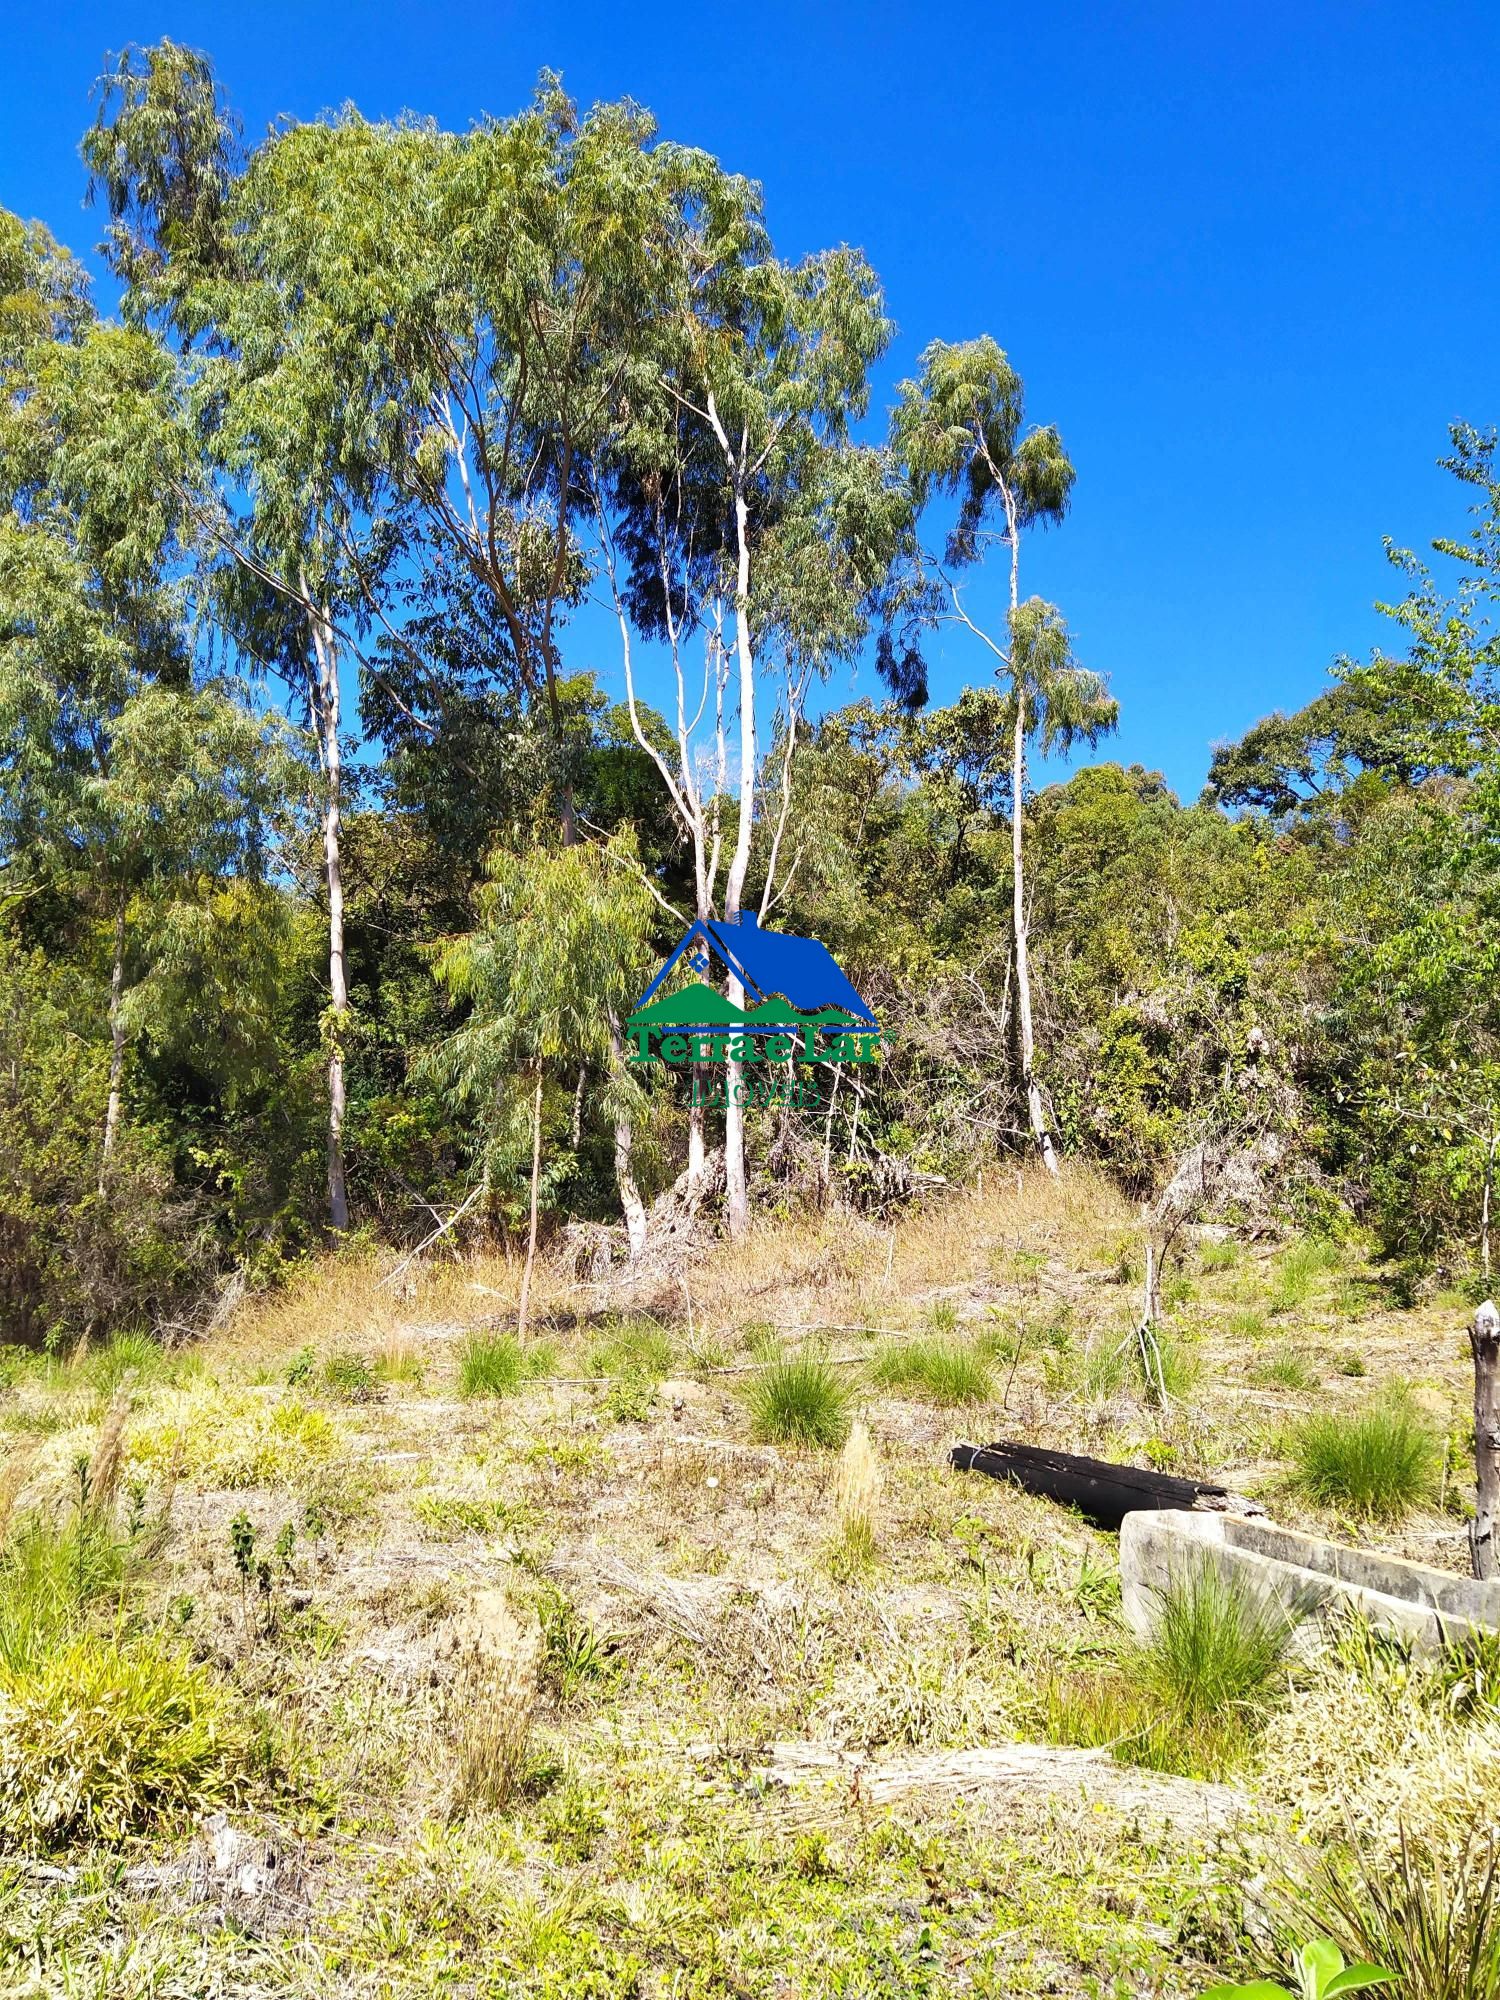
pixel 536 1175
pixel 736 1191
pixel 1035 1109
pixel 326 718
pixel 116 1042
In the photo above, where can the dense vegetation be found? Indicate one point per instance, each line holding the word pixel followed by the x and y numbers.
pixel 328 867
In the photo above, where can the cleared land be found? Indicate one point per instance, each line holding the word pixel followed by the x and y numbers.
pixel 582 1682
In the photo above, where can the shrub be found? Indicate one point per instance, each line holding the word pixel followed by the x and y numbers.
pixel 1379 1462
pixel 1213 1648
pixel 944 1371
pixel 107 1738
pixel 801 1400
pixel 1434 1920
pixel 491 1364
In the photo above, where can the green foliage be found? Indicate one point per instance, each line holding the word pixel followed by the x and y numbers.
pixel 945 1371
pixel 52 1572
pixel 1380 1461
pixel 108 1737
pixel 492 1364
pixel 1434 1917
pixel 799 1400
pixel 1319 1969
pixel 1214 1648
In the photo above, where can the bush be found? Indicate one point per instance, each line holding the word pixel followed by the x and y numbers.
pixel 801 1400
pixel 1379 1462
pixel 107 1738
pixel 945 1371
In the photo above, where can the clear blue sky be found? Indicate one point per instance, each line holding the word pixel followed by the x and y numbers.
pixel 1245 255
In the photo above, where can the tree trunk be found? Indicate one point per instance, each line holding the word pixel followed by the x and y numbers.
pixel 1034 1107
pixel 630 1195
pixel 116 1042
pixel 536 1175
pixel 326 717
pixel 736 1192
pixel 1484 1339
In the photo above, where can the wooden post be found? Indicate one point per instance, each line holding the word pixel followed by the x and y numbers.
pixel 1484 1338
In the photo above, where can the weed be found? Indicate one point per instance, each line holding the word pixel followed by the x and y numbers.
pixel 491 1364
pixel 857 1494
pixel 1286 1368
pixel 127 1354
pixel 106 1738
pixel 490 1701
pixel 1213 1648
pixel 943 1317
pixel 1379 1462
pixel 633 1349
pixel 801 1400
pixel 1434 1919
pixel 349 1377
pixel 50 1575
pixel 1352 1363
pixel 944 1371
pixel 572 1651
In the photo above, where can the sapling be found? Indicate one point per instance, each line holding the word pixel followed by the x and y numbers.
pixel 1320 1972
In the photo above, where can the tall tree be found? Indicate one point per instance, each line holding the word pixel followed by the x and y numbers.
pixel 959 429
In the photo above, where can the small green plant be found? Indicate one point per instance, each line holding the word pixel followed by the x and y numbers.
pixel 350 1377
pixel 1213 1647
pixel 1298 1270
pixel 491 1364
pixel 572 1651
pixel 1379 1462
pixel 1352 1363
pixel 943 1317
pixel 638 1349
pixel 134 1354
pixel 1319 1969
pixel 631 1399
pixel 1286 1368
pixel 944 1371
pixel 301 1368
pixel 801 1400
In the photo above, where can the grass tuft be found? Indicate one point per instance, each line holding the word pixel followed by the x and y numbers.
pixel 801 1400
pixel 491 1364
pixel 1379 1462
pixel 1214 1648
pixel 944 1371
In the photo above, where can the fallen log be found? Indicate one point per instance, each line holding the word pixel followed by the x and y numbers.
pixel 1105 1493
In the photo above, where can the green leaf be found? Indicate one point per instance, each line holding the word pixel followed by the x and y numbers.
pixel 1319 1961
pixel 1355 1977
pixel 1258 1989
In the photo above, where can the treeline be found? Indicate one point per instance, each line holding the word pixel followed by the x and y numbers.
pixel 329 871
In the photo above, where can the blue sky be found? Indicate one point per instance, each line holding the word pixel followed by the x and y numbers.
pixel 1243 255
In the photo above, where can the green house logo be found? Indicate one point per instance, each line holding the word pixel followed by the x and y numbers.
pixel 800 1007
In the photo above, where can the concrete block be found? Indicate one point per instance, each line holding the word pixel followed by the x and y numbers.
pixel 1303 1576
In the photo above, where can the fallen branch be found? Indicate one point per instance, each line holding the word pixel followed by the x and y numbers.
pixel 442 1230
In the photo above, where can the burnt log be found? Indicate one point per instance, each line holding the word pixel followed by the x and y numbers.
pixel 1104 1493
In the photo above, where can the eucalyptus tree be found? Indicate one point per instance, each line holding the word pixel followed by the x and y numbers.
pixel 741 508
pixel 126 776
pixel 229 254
pixel 959 429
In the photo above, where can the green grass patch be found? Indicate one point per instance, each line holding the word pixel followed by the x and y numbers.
pixel 800 1400
pixel 1379 1462
pixel 1298 1270
pixel 496 1364
pixel 1286 1368
pixel 632 1349
pixel 942 1371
